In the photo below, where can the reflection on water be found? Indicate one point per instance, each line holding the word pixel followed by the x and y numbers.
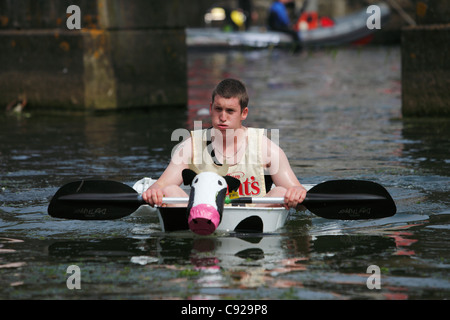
pixel 427 145
pixel 338 113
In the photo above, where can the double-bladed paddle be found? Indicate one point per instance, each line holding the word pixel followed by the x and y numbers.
pixel 336 199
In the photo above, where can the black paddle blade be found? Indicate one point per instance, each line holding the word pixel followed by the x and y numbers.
pixel 78 200
pixel 350 200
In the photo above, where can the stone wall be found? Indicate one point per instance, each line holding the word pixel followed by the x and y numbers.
pixel 126 54
pixel 425 62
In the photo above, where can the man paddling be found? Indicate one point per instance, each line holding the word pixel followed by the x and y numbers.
pixel 278 20
pixel 247 153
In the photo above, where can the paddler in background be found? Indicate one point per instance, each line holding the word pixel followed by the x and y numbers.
pixel 246 152
pixel 279 20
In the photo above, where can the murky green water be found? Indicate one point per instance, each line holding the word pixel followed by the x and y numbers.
pixel 339 117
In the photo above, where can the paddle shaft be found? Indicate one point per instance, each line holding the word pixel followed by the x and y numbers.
pixel 279 200
pixel 137 199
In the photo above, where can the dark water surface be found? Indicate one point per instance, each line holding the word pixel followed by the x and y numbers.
pixel 338 115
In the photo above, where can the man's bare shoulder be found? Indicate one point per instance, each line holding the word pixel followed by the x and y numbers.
pixel 269 147
pixel 182 152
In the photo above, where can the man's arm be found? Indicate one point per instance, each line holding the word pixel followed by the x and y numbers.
pixel 282 174
pixel 172 174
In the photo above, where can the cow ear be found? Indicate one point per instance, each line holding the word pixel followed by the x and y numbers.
pixel 188 175
pixel 232 182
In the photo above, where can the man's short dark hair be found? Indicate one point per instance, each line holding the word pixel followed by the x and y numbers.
pixel 232 88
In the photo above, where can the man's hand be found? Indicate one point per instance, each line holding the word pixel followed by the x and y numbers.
pixel 153 196
pixel 294 196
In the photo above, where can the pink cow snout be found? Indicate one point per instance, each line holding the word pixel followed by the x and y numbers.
pixel 203 219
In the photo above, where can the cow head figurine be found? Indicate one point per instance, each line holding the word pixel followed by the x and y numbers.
pixel 207 198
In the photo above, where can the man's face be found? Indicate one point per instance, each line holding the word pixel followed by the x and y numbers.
pixel 226 113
